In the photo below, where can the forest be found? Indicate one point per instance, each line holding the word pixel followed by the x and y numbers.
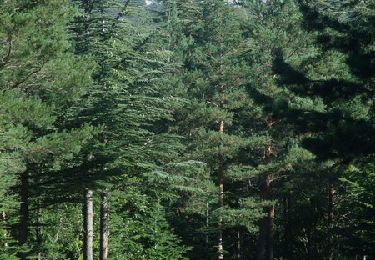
pixel 187 129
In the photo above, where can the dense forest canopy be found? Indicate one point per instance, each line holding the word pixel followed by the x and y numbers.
pixel 187 129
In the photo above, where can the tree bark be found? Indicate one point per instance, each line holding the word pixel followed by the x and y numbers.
pixel 287 231
pixel 207 224
pixel 331 192
pixel 38 229
pixel 265 241
pixel 239 254
pixel 5 232
pixel 88 215
pixel 104 227
pixel 270 224
pixel 24 208
pixel 24 212
pixel 221 196
pixel 330 213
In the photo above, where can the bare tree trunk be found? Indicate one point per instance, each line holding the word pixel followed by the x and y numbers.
pixel 24 212
pixel 261 244
pixel 221 196
pixel 24 208
pixel 88 215
pixel 5 232
pixel 287 235
pixel 239 244
pixel 38 229
pixel 270 224
pixel 207 224
pixel 330 213
pixel 265 241
pixel 331 192
pixel 104 227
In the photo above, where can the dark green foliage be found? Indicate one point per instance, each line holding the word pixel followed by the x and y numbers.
pixel 131 100
pixel 162 103
pixel 40 85
pixel 330 103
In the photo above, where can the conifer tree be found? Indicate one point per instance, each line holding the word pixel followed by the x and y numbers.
pixel 40 84
pixel 214 75
pixel 132 102
pixel 220 129
pixel 330 104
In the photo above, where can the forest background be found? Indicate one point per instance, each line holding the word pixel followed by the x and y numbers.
pixel 219 129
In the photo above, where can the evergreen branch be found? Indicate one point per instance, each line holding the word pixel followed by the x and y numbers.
pixel 27 77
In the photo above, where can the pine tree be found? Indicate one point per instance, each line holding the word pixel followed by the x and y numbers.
pixel 274 153
pixel 40 85
pixel 131 99
pixel 330 104
pixel 220 129
pixel 212 48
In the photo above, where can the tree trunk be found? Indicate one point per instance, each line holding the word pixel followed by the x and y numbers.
pixel 265 241
pixel 207 224
pixel 104 227
pixel 331 192
pixel 24 208
pixel 38 229
pixel 239 244
pixel 88 215
pixel 330 213
pixel 24 212
pixel 221 196
pixel 287 231
pixel 5 232
pixel 270 224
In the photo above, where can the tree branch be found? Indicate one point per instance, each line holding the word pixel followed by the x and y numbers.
pixel 6 59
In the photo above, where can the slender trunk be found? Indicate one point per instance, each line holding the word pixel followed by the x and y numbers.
pixel 270 224
pixel 24 212
pixel 287 235
pixel 84 216
pixel 261 244
pixel 104 227
pixel 285 216
pixel 265 241
pixel 24 208
pixel 88 215
pixel 38 229
pixel 331 193
pixel 207 223
pixel 221 196
pixel 5 232
pixel 238 244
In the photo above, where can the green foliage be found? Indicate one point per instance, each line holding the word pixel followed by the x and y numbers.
pixel 331 106
pixel 40 81
pixel 163 102
pixel 132 100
